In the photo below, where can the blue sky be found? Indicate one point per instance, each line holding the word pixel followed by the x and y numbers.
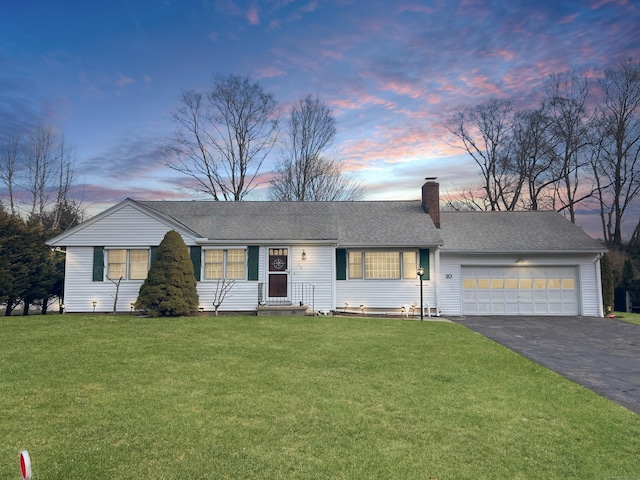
pixel 108 74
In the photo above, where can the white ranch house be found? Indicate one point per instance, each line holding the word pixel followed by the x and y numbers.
pixel 337 256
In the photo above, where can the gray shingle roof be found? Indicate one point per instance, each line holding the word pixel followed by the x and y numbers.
pixel 371 223
pixel 542 231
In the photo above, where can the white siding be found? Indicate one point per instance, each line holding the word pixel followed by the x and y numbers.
pixel 316 270
pixel 80 291
pixel 243 296
pixel 124 227
pixel 591 290
pixel 450 285
pixel 391 294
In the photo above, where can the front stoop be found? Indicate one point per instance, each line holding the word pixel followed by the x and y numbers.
pixel 282 310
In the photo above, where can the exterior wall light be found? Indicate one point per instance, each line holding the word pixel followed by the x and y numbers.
pixel 304 255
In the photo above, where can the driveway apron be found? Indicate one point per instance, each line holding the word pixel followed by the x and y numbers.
pixel 599 353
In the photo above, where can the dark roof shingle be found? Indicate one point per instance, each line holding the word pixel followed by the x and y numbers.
pixel 540 231
pixel 369 223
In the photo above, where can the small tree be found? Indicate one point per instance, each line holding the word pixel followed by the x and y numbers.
pixel 222 288
pixel 170 286
pixel 606 276
pixel 115 297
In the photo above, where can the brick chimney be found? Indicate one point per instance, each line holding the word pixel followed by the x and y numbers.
pixel 431 199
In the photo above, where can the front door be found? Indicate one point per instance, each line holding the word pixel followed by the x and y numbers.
pixel 278 273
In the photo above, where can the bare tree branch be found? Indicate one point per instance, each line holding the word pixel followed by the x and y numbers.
pixel 223 137
pixel 306 173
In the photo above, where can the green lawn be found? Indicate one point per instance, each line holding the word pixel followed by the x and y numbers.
pixel 628 317
pixel 94 397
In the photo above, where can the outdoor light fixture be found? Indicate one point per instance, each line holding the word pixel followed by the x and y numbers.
pixel 304 255
pixel 201 309
pixel 420 273
pixel 362 309
pixel 131 311
pixel 94 305
pixel 520 260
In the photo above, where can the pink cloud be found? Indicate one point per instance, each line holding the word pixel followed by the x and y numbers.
pixel 481 83
pixel 269 72
pixel 332 54
pixel 123 81
pixel 400 144
pixel 403 88
pixel 569 18
pixel 414 7
pixel 252 16
pixel 310 7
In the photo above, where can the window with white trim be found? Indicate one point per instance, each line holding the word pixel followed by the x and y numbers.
pixel 224 263
pixel 128 264
pixel 382 265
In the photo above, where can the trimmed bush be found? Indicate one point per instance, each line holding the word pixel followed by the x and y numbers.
pixel 606 277
pixel 170 287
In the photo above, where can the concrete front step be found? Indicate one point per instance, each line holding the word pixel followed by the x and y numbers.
pixel 282 310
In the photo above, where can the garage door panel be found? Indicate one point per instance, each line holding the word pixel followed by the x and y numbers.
pixel 520 290
pixel 540 296
pixel 554 296
pixel 497 296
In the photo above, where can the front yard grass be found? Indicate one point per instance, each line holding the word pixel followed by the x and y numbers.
pixel 628 317
pixel 99 396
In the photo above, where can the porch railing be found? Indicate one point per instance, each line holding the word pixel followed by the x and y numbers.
pixel 300 293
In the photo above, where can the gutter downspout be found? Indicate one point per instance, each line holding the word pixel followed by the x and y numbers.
pixel 599 285
pixel 436 259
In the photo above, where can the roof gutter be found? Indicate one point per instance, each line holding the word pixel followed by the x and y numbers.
pixel 265 241
pixel 522 252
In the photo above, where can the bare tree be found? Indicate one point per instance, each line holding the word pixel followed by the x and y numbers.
pixel 11 160
pixel 38 167
pixel 306 173
pixel 531 153
pixel 223 137
pixel 48 173
pixel 223 286
pixel 617 161
pixel 566 106
pixel 115 297
pixel 484 131
pixel 467 198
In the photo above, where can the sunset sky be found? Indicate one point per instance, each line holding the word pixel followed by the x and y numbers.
pixel 108 74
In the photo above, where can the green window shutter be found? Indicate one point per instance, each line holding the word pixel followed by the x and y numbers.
pixel 253 258
pixel 98 264
pixel 341 264
pixel 153 253
pixel 196 259
pixel 424 261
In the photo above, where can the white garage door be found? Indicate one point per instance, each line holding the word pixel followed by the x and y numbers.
pixel 519 291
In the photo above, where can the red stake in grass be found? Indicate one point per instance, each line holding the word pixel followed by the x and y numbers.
pixel 25 465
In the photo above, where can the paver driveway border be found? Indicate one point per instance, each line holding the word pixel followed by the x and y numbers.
pixel 601 354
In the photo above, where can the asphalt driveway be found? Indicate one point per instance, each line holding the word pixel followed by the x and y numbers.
pixel 599 353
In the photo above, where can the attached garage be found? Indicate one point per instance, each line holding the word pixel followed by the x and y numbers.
pixel 520 290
